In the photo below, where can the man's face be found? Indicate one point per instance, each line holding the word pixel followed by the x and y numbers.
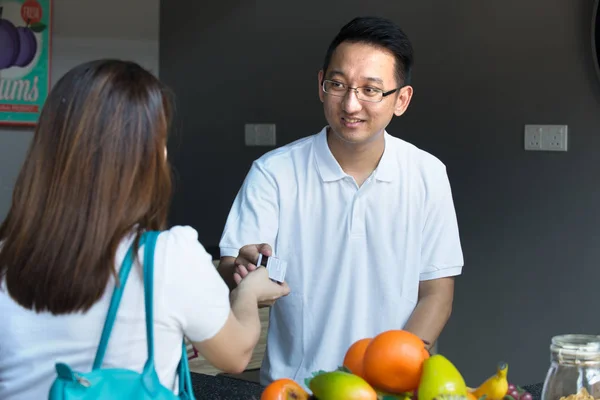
pixel 362 65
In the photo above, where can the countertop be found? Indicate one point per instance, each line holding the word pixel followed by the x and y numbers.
pixel 208 387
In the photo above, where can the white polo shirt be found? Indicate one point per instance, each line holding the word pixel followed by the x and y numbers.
pixel 355 255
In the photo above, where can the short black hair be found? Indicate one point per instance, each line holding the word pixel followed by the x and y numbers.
pixel 379 32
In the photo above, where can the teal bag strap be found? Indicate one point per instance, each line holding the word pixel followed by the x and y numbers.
pixel 185 378
pixel 114 305
pixel 150 376
pixel 148 239
pixel 149 290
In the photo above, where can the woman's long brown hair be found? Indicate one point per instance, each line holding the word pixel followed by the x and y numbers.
pixel 96 171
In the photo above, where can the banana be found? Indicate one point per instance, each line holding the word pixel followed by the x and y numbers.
pixel 496 386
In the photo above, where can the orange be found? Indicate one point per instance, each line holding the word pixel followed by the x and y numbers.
pixel 426 354
pixel 284 389
pixel 393 361
pixel 355 355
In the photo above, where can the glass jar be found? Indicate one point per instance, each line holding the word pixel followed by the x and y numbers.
pixel 574 372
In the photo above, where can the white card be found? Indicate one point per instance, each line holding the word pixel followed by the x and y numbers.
pixel 276 267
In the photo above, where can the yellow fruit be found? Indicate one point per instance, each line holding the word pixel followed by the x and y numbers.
pixel 340 385
pixel 471 396
pixel 393 396
pixel 440 379
pixel 496 386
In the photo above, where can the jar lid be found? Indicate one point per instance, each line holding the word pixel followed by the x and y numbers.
pixel 576 345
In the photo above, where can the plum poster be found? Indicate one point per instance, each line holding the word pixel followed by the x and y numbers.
pixel 25 47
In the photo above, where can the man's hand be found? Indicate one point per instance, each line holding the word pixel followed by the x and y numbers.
pixel 247 258
pixel 234 270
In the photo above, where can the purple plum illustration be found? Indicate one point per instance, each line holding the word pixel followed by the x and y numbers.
pixel 9 42
pixel 27 48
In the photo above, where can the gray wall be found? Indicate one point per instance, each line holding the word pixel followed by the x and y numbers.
pixel 85 30
pixel 529 221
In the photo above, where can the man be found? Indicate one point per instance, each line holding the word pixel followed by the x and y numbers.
pixel 365 221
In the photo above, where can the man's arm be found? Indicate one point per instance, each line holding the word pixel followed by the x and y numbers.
pixel 441 259
pixel 433 309
pixel 253 218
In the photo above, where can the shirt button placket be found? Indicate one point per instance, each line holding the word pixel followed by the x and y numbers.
pixel 358 212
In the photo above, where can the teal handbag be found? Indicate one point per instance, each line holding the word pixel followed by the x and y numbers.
pixel 114 383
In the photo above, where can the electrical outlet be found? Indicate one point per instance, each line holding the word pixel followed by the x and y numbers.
pixel 554 138
pixel 546 137
pixel 533 137
pixel 259 134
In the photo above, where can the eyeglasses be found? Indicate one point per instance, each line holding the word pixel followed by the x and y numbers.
pixel 370 94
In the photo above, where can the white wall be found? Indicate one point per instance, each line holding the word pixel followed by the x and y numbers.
pixel 85 30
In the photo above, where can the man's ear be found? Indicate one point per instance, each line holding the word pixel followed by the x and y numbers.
pixel 403 100
pixel 320 77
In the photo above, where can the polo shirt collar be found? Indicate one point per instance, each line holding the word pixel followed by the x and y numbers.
pixel 387 169
pixel 330 169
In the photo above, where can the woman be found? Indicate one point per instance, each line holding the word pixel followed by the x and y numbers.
pixel 95 177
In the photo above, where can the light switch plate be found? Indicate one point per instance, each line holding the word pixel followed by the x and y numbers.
pixel 260 135
pixel 546 137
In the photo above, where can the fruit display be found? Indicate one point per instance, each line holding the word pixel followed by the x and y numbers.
pixel 284 389
pixel 353 360
pixel 517 393
pixel 393 361
pixel 496 386
pixel 395 365
pixel 341 385
pixel 440 378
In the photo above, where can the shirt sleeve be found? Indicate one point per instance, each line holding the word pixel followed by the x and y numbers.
pixel 254 215
pixel 441 251
pixel 194 292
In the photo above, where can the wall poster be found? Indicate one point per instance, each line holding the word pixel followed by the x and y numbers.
pixel 25 51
